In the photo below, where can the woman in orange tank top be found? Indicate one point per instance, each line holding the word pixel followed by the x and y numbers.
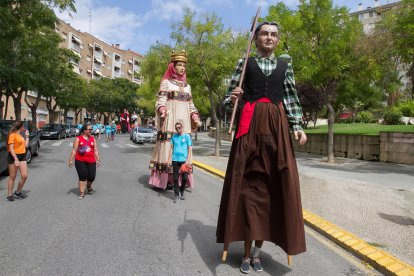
pixel 16 146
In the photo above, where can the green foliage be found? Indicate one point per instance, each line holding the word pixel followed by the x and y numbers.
pixel 152 70
pixel 112 95
pixel 365 117
pixel 407 108
pixel 213 52
pixel 392 116
pixel 361 129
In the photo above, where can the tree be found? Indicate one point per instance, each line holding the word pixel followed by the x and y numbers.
pixel 403 32
pixel 311 101
pixel 111 96
pixel 21 22
pixel 152 70
pixel 213 52
pixel 320 40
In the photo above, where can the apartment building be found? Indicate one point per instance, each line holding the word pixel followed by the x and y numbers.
pixel 370 16
pixel 97 59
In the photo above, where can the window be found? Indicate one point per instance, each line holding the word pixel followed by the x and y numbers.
pixel 371 14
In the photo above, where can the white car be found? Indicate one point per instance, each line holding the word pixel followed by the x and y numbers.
pixel 143 135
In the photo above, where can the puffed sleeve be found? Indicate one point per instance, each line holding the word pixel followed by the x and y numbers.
pixel 162 95
pixel 193 109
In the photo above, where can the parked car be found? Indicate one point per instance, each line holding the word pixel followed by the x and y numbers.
pixel 34 137
pixel 144 135
pixel 70 131
pixel 76 130
pixel 53 131
pixel 3 152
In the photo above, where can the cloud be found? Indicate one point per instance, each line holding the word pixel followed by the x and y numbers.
pixel 110 24
pixel 166 10
pixel 264 4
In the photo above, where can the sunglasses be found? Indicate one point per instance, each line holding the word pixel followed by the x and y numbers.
pixel 88 129
pixel 261 24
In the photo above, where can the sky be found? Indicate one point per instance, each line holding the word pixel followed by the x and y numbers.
pixel 138 24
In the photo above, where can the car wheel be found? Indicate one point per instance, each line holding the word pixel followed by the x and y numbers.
pixel 59 136
pixel 36 153
pixel 29 156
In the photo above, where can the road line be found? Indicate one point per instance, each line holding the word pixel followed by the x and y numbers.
pixel 57 144
pixel 132 146
pixel 42 142
pixel 381 260
pixel 104 145
pixel 120 146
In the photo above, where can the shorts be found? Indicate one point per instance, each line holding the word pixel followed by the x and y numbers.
pixel 20 157
pixel 86 171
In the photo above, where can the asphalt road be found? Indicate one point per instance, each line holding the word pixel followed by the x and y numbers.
pixel 128 228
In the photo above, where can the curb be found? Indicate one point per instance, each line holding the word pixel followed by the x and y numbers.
pixel 379 259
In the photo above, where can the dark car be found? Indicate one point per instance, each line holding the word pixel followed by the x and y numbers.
pixel 53 131
pixel 34 137
pixel 3 152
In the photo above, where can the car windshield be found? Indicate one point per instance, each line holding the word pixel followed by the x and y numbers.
pixel 145 130
pixel 50 127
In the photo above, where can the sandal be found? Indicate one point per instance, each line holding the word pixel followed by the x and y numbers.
pixel 81 196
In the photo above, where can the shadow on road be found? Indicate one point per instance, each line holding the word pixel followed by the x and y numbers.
pixel 74 191
pixel 400 220
pixel 204 237
pixel 144 179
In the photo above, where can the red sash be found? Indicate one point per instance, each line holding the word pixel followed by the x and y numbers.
pixel 247 115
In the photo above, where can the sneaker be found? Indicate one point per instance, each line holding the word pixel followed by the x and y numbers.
pixel 90 191
pixel 10 198
pixel 19 195
pixel 176 199
pixel 257 266
pixel 245 265
pixel 81 196
pixel 182 197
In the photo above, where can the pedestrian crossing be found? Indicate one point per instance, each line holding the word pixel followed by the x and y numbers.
pixel 101 145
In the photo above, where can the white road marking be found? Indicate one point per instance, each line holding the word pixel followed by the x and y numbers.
pixel 120 146
pixel 58 143
pixel 104 145
pixel 132 146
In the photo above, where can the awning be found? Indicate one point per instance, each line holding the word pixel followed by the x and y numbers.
pixel 77 53
pixel 98 60
pixel 98 46
pixel 117 66
pixel 90 45
pixel 89 71
pixel 64 36
pixel 97 72
pixel 129 72
pixel 76 39
pixel 105 53
pixel 129 61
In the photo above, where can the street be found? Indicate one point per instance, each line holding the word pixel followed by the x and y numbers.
pixel 128 228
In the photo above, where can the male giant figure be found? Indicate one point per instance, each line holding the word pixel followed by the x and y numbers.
pixel 261 196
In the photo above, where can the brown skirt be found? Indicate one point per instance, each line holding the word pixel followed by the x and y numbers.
pixel 261 194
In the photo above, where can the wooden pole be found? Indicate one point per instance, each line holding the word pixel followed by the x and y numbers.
pixel 249 46
pixel 289 259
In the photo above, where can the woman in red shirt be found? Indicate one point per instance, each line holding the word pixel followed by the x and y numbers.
pixel 16 146
pixel 86 154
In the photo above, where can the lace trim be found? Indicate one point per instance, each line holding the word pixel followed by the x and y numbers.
pixel 176 95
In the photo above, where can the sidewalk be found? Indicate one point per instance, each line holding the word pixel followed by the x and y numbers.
pixel 374 201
